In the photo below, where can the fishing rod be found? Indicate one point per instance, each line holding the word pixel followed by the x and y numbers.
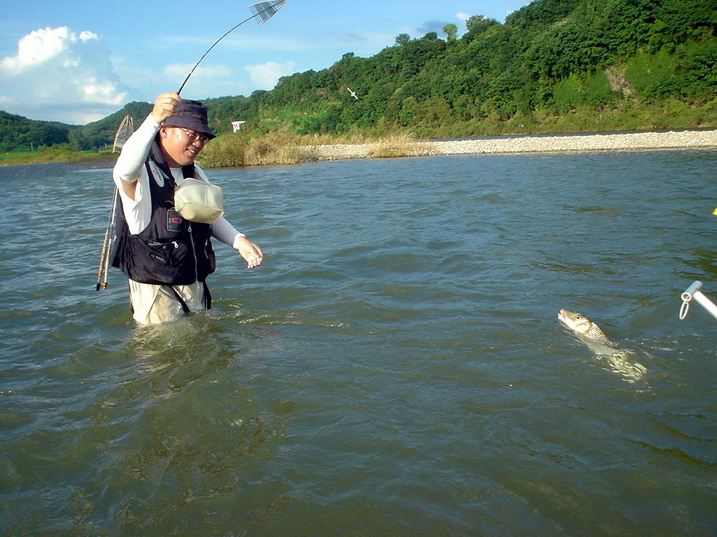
pixel 263 11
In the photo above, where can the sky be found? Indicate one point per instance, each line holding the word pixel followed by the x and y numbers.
pixel 79 61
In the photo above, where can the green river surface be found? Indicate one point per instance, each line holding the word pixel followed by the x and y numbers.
pixel 395 368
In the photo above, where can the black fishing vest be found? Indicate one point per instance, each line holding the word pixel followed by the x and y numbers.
pixel 170 250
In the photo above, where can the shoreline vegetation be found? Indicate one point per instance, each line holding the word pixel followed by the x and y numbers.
pixel 228 151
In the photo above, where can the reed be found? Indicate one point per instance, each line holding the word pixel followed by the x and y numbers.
pixel 394 146
pixel 237 150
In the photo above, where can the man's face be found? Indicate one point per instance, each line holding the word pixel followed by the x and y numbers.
pixel 181 146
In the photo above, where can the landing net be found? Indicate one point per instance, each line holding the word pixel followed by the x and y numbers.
pixel 265 10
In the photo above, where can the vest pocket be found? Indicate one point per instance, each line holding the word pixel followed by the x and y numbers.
pixel 163 261
pixel 211 258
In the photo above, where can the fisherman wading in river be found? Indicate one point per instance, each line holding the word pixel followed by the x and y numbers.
pixel 165 251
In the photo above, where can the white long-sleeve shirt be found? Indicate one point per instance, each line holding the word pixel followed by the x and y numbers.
pixel 130 164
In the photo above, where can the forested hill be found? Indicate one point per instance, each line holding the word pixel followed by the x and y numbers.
pixel 568 65
pixel 20 133
pixel 551 59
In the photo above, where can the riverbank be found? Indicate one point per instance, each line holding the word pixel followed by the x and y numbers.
pixel 49 155
pixel 229 151
pixel 520 144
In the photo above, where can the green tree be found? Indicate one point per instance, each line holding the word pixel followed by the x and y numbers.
pixel 476 25
pixel 409 111
pixel 402 39
pixel 451 31
pixel 78 141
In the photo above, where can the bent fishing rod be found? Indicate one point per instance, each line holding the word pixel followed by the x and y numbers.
pixel 263 11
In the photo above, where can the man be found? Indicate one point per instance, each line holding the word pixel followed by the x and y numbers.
pixel 166 257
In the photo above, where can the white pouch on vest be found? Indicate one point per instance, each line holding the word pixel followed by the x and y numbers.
pixel 198 201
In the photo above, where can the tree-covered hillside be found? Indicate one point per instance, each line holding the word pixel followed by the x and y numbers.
pixel 569 65
pixel 102 132
pixel 551 58
pixel 19 132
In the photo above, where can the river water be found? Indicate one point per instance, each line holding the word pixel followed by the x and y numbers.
pixel 395 368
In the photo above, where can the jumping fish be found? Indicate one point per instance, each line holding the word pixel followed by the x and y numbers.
pixel 591 334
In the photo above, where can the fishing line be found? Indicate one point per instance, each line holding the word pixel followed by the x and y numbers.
pixel 262 10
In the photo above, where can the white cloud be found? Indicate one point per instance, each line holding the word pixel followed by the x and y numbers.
pixel 179 72
pixel 266 75
pixel 207 80
pixel 463 16
pixel 62 76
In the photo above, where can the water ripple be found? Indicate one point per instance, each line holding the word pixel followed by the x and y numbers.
pixel 394 368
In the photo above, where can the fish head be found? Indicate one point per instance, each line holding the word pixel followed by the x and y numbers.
pixel 583 327
pixel 575 321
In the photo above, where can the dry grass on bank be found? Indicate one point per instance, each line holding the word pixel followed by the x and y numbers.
pixel 234 150
pixel 228 151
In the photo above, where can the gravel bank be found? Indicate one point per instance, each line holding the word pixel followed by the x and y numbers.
pixel 525 144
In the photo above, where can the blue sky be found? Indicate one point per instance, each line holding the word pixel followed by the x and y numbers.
pixel 80 61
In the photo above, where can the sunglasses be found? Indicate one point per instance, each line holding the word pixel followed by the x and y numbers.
pixel 194 136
